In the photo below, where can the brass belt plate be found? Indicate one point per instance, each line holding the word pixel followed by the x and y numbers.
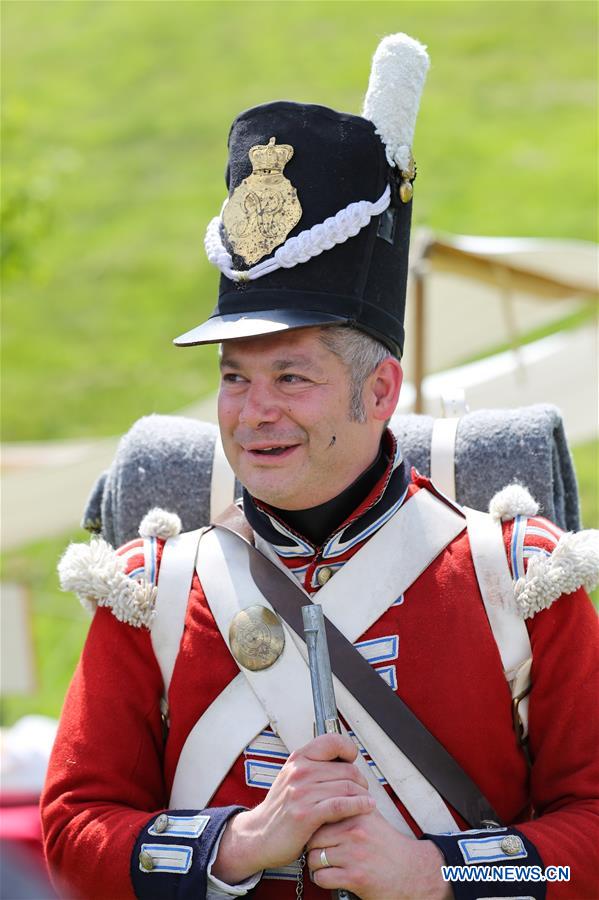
pixel 256 637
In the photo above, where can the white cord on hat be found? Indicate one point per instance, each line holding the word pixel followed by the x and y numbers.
pixel 307 244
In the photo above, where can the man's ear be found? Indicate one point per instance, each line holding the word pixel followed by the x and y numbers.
pixel 383 388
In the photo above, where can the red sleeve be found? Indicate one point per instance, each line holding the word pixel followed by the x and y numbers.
pixel 563 720
pixel 105 777
pixel 564 742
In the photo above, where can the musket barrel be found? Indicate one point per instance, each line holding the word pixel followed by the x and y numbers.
pixel 323 692
pixel 325 705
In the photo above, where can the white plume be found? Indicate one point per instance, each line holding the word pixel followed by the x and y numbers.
pixel 399 68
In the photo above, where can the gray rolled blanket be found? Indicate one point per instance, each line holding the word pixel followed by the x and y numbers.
pixel 166 461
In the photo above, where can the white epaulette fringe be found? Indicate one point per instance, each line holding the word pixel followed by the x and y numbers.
pixel 95 573
pixel 573 564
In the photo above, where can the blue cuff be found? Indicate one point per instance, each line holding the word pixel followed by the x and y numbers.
pixel 493 853
pixel 171 856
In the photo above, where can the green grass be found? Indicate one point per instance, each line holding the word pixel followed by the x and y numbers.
pixel 60 624
pixel 115 123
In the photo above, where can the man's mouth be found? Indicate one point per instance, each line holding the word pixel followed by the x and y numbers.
pixel 273 450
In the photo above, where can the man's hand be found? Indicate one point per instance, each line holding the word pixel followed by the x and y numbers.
pixel 317 785
pixel 369 857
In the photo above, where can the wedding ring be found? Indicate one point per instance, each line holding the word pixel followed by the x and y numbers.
pixel 323 859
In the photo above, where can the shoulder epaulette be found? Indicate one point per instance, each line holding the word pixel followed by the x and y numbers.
pixel 98 574
pixel 545 561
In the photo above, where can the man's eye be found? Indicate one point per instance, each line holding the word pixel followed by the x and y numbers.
pixel 231 377
pixel 292 379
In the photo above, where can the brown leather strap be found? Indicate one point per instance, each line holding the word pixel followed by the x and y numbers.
pixel 387 709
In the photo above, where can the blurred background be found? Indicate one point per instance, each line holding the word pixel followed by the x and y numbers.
pixel 115 123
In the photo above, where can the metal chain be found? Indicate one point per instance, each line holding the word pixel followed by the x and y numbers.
pixel 299 885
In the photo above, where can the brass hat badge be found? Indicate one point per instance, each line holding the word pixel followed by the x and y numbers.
pixel 264 208
pixel 256 637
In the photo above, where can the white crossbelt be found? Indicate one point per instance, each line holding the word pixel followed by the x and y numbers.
pixel 176 571
pixel 284 697
pixel 495 582
pixel 283 690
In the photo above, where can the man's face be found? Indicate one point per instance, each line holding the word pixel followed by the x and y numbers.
pixel 283 410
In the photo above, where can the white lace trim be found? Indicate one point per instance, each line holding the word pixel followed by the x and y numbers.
pixel 304 246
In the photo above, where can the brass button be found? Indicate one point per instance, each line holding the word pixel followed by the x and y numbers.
pixel 161 823
pixel 146 861
pixel 511 845
pixel 323 575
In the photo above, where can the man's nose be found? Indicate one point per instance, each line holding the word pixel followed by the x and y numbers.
pixel 259 407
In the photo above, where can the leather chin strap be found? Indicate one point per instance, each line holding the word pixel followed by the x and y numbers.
pixel 389 711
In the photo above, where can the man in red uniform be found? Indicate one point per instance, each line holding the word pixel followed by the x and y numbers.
pixel 189 771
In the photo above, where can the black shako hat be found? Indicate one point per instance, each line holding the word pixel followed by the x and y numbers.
pixel 316 227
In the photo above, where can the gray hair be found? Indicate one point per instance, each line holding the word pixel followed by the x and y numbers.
pixel 361 354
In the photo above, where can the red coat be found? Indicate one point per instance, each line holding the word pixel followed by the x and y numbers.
pixel 110 770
